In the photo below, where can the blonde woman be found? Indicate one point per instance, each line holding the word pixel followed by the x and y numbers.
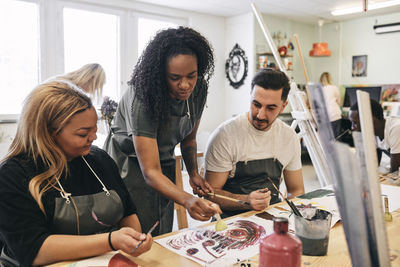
pixel 63 198
pixel 90 77
pixel 332 100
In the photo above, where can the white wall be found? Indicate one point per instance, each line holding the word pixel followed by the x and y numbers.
pixel 357 37
pixel 240 30
pixel 383 52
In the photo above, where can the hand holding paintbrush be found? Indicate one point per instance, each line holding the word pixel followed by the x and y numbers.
pixel 257 200
pixel 149 232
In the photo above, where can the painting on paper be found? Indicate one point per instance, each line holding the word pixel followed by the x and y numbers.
pixel 206 245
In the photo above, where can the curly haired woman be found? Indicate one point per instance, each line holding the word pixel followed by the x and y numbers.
pixel 161 109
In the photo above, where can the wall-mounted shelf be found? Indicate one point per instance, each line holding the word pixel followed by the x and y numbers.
pixel 267 59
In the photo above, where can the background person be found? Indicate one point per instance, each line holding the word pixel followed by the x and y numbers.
pixel 332 101
pixel 90 77
pixel 162 108
pixel 387 131
pixel 61 198
pixel 244 151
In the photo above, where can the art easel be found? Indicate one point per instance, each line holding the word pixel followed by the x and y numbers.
pixel 370 183
pixel 356 186
pixel 300 113
pixel 355 181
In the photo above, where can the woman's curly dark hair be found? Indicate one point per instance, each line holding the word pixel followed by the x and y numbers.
pixel 149 76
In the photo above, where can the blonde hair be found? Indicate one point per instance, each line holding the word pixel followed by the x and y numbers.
pixel 90 77
pixel 325 78
pixel 47 109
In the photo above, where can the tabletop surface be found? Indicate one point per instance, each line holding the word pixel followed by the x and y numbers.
pixel 337 255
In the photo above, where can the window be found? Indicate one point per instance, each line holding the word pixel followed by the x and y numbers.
pixel 147 28
pixel 93 37
pixel 43 38
pixel 19 53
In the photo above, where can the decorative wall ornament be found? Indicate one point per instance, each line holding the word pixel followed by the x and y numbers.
pixel 359 66
pixel 236 67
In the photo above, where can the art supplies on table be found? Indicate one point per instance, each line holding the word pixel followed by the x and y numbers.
pixel 204 245
pixel 149 232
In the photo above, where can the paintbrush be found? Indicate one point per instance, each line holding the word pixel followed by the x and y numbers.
pixel 229 198
pixel 290 203
pixel 149 232
pixel 220 225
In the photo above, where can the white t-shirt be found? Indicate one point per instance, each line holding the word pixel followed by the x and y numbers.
pixel 392 135
pixel 332 100
pixel 237 140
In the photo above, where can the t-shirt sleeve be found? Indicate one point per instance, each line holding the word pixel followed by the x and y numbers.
pixel 140 121
pixel 218 153
pixel 23 225
pixel 394 139
pixel 295 149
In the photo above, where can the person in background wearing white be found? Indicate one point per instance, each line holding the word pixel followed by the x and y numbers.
pixel 332 101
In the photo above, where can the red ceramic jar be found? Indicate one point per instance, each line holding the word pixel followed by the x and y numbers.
pixel 280 249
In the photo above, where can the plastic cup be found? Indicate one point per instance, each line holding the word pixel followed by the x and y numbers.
pixel 313 230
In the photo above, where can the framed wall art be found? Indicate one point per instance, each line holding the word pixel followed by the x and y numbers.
pixel 236 67
pixel 359 66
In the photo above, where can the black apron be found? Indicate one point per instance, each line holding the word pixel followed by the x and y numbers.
pixel 252 175
pixel 151 205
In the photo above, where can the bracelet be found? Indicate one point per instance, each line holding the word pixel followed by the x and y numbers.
pixel 109 241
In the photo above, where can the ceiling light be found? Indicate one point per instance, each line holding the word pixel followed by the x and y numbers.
pixel 320 49
pixel 358 9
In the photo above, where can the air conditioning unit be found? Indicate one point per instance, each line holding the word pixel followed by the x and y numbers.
pixel 387 28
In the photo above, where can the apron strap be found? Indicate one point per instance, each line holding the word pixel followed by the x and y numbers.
pixel 7 261
pixel 104 187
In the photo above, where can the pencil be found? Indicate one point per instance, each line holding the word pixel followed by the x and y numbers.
pixel 229 198
pixel 149 232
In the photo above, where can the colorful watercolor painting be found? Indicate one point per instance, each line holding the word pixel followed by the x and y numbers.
pixel 206 245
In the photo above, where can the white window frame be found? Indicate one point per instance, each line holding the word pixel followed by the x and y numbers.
pixel 51 51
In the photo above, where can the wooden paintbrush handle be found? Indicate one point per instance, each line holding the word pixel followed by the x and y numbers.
pixel 229 198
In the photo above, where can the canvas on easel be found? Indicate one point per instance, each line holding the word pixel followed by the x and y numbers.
pixel 368 162
pixel 360 217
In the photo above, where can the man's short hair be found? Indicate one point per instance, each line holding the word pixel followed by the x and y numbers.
pixel 272 79
pixel 376 109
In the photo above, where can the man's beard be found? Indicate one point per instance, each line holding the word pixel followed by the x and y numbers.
pixel 255 120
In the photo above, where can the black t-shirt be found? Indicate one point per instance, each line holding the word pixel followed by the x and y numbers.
pixel 23 226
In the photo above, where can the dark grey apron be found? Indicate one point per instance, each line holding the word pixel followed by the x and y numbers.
pixel 151 205
pixel 87 214
pixel 97 213
pixel 252 175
